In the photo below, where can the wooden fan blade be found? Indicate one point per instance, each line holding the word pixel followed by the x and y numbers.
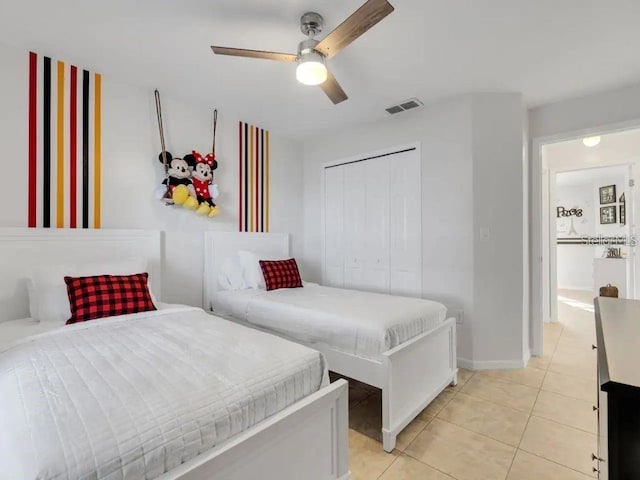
pixel 333 89
pixel 368 15
pixel 241 52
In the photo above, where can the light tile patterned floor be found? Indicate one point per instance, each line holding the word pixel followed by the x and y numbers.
pixel 530 424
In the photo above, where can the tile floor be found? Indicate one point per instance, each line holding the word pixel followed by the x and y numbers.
pixel 530 424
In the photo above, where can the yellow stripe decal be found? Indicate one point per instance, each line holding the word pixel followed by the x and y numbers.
pixel 60 148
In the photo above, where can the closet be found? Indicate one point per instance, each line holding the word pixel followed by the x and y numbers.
pixel 373 224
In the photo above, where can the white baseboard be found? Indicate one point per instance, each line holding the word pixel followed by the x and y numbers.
pixel 527 356
pixel 493 364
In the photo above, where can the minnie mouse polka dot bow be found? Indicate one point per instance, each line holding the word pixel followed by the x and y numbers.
pixel 208 159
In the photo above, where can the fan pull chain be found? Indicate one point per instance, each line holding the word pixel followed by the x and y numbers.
pixel 161 129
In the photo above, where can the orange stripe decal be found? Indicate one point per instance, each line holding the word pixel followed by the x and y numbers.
pixel 60 148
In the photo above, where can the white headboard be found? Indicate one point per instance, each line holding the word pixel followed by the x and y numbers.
pixel 219 246
pixel 24 249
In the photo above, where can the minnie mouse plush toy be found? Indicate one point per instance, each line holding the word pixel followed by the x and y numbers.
pixel 201 182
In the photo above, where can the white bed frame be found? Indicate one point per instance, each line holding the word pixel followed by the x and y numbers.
pixel 410 375
pixel 306 440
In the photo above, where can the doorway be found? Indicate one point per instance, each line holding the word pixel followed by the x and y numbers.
pixel 586 212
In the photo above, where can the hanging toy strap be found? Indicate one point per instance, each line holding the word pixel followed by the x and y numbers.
pixel 161 129
pixel 215 125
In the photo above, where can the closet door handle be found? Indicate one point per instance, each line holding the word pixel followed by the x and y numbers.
pixel 595 409
pixel 593 347
pixel 594 457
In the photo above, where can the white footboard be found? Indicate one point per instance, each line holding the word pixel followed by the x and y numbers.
pixel 307 440
pixel 417 371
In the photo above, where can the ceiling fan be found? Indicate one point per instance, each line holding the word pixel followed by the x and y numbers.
pixel 312 54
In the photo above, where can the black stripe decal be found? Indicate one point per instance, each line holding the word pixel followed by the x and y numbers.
pixel 246 177
pixel 46 147
pixel 85 149
pixel 262 180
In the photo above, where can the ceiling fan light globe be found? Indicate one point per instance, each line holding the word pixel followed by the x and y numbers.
pixel 591 141
pixel 311 73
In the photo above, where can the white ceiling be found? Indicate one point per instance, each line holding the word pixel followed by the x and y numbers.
pixel 590 176
pixel 430 49
pixel 613 149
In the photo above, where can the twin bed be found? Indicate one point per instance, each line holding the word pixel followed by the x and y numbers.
pixel 177 393
pixel 170 393
pixel 404 346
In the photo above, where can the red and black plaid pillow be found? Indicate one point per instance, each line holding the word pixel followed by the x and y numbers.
pixel 280 274
pixel 103 296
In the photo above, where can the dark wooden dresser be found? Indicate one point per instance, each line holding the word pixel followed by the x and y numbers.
pixel 618 348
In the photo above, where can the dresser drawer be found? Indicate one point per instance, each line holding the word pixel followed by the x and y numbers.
pixel 603 451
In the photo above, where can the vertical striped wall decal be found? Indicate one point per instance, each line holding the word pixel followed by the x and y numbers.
pixel 268 158
pixel 97 151
pixel 73 147
pixel 252 172
pixel 257 190
pixel 253 182
pixel 60 148
pixel 33 138
pixel 262 180
pixel 85 149
pixel 246 178
pixel 65 157
pixel 239 176
pixel 46 147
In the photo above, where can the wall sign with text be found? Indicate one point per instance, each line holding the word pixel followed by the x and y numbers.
pixel 568 212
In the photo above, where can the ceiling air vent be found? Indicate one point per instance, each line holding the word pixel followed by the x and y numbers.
pixel 404 106
pixel 394 109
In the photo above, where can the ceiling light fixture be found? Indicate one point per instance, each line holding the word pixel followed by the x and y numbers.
pixel 591 141
pixel 311 69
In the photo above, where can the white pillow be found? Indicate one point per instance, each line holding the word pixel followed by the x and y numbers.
pixel 251 270
pixel 48 298
pixel 230 276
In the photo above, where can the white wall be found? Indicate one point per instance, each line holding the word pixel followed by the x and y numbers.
pixel 604 111
pixel 580 189
pixel 575 262
pixel 586 113
pixel 447 195
pixel 131 171
pixel 499 206
pixel 472 176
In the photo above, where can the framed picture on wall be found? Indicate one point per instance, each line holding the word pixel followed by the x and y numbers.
pixel 607 194
pixel 608 215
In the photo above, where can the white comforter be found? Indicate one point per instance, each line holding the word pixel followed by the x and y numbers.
pixel 132 397
pixel 361 323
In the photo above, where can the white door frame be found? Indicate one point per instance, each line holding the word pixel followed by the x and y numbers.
pixel 539 250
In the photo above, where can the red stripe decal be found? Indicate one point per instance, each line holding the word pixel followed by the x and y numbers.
pixel 73 148
pixel 33 115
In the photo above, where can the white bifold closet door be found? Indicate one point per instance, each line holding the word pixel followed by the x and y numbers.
pixel 372 237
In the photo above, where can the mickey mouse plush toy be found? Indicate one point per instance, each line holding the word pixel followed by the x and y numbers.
pixel 177 182
pixel 201 182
